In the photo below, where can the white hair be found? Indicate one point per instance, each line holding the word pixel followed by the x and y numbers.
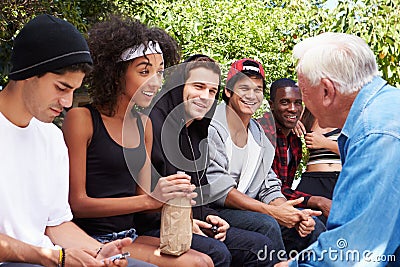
pixel 343 58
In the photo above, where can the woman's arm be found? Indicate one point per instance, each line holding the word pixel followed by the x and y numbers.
pixel 144 177
pixel 316 140
pixel 177 185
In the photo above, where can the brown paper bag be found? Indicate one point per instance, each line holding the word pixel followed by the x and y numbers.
pixel 176 226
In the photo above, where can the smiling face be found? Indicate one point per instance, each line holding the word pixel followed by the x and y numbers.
pixel 247 95
pixel 46 96
pixel 143 78
pixel 287 107
pixel 199 93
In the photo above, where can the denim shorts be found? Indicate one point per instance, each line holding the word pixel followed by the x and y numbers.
pixel 114 236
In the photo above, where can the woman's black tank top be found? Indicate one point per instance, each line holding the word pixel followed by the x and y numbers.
pixel 108 175
pixel 324 155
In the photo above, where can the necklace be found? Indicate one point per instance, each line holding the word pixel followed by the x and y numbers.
pixel 199 178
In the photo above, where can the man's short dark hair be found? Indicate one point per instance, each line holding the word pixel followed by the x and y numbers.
pixel 281 83
pixel 231 83
pixel 200 61
pixel 80 67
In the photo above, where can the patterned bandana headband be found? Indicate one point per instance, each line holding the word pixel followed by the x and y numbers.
pixel 140 50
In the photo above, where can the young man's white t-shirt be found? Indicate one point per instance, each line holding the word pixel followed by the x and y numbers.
pixel 34 180
pixel 238 161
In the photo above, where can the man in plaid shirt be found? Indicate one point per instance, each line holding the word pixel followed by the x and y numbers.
pixel 286 106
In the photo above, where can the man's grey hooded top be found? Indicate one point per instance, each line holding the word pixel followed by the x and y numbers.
pixel 257 179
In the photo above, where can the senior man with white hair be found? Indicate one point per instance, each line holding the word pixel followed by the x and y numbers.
pixel 338 77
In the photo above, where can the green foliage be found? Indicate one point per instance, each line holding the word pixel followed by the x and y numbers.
pixel 228 30
pixel 14 14
pixel 304 159
pixel 377 22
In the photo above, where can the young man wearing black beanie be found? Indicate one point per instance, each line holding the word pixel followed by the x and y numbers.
pixel 50 59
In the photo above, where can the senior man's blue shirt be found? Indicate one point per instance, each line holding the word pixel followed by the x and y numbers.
pixel 363 228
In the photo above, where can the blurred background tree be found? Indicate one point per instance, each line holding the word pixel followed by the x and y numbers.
pixel 228 30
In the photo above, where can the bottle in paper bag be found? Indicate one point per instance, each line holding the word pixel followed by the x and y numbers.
pixel 176 226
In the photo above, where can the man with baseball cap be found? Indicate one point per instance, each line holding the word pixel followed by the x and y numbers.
pixel 49 61
pixel 248 192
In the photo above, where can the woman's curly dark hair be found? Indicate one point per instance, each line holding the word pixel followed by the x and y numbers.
pixel 107 40
pixel 169 47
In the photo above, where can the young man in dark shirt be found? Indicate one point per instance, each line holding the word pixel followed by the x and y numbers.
pixel 181 117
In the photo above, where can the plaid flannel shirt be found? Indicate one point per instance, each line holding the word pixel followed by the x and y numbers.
pixel 286 172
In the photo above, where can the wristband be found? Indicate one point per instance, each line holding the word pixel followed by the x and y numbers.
pixel 63 257
pixel 98 251
pixel 60 258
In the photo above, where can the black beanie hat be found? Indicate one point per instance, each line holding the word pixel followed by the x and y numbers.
pixel 45 44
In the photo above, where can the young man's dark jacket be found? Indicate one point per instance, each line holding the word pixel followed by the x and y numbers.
pixel 175 146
